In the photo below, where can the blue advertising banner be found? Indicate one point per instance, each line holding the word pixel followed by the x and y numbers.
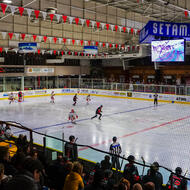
pixel 164 29
pixel 91 49
pixel 28 47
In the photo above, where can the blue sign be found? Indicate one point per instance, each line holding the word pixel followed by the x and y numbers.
pixel 91 49
pixel 164 29
pixel 28 47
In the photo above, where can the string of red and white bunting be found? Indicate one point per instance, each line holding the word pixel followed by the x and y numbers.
pixel 71 53
pixel 58 40
pixel 70 19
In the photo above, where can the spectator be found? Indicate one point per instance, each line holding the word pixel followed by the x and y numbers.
pixel 92 173
pixel 106 164
pixel 28 178
pixel 18 160
pixel 137 186
pixel 149 186
pixel 176 182
pixel 115 150
pixel 71 149
pixel 3 178
pixel 153 175
pixel 108 179
pixel 131 172
pixel 123 184
pixel 74 180
pixel 9 169
pixel 22 144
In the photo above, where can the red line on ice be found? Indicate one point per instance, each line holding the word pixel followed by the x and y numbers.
pixel 140 131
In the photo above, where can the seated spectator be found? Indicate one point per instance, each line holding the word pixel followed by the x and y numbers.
pixel 137 186
pixel 131 172
pixel 153 175
pixel 3 178
pixel 28 178
pixel 123 184
pixel 149 186
pixel 108 179
pixel 176 181
pixel 9 169
pixel 92 173
pixel 106 164
pixel 74 180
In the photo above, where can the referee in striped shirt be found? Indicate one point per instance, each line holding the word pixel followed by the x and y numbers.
pixel 115 149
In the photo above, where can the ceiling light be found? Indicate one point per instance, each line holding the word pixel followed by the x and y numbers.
pixel 7 1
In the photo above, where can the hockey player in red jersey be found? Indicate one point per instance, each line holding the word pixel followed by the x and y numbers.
pixel 20 96
pixel 98 112
pixel 73 116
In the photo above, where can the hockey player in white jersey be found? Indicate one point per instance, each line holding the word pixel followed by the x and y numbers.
pixel 73 116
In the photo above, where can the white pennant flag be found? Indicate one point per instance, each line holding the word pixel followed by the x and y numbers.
pixel 128 29
pixel 51 52
pixel 28 35
pixel 93 43
pixel 112 27
pixel 65 52
pixel 4 34
pixel 44 14
pixel 16 51
pixel 85 43
pixel 100 44
pixel 107 44
pixel 126 47
pixel 103 25
pixel 58 52
pixel 135 30
pixel 60 40
pixel 72 53
pixel 69 41
pixel 43 51
pixel 29 11
pixel 113 45
pixel 50 39
pixel 40 38
pixel 58 17
pixel 120 28
pixel 77 41
pixel 78 53
pixel 82 21
pixel 93 23
pixel 16 36
pixel 12 9
pixel 119 46
pixel 70 19
pixel 6 49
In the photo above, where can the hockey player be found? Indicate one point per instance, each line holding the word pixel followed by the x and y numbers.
pixel 20 96
pixel 11 98
pixel 73 116
pixel 75 99
pixel 88 99
pixel 155 99
pixel 52 97
pixel 98 112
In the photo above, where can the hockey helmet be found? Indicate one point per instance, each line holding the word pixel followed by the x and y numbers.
pixel 114 139
pixel 131 158
pixel 101 106
pixel 155 166
pixel 71 137
pixel 178 171
pixel 72 111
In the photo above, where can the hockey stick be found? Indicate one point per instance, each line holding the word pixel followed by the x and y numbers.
pixel 122 160
pixel 143 165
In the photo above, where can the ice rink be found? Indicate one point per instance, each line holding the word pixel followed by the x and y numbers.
pixel 157 133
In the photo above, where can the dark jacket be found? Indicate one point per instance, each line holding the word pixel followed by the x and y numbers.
pixel 71 151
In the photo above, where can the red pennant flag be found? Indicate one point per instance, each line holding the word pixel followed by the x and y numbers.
pixel 88 22
pixel 77 20
pixel 69 53
pixel 10 35
pixel 98 24
pixel 116 45
pixel 138 32
pixel 133 48
pixel 116 27
pixel 54 52
pixel 37 13
pixel 1 49
pixel 21 10
pixel 103 44
pixel 186 13
pixel 45 39
pixel 55 40
pixel 96 43
pixel 107 26
pixel 81 42
pixel 51 16
pixel 64 18
pixel 122 45
pixel 129 48
pixel 132 30
pixel 62 52
pixel 34 37
pixel 89 43
pixel 82 54
pixel 73 41
pixel 76 53
pixel 64 40
pixel 3 7
pixel 110 45
pixel 124 29
pixel 23 36
pixel 38 51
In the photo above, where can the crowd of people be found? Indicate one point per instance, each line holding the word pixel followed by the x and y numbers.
pixel 28 169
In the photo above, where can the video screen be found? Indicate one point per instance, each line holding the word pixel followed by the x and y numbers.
pixel 168 51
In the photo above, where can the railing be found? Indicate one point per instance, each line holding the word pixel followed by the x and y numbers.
pixel 91 153
pixel 32 83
